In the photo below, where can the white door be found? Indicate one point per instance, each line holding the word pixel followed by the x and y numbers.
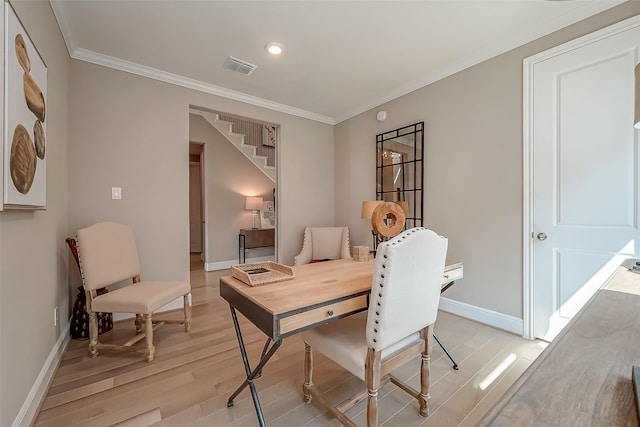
pixel 584 174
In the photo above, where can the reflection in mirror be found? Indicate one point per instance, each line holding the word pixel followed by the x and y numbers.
pixel 399 170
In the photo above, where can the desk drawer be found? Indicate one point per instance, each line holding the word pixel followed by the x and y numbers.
pixel 321 314
pixel 453 274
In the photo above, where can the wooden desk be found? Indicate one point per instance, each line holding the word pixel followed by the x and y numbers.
pixel 320 293
pixel 584 377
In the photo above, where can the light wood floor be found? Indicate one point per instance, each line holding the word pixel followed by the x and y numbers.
pixel 193 374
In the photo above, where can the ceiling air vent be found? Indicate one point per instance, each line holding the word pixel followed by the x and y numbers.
pixel 235 64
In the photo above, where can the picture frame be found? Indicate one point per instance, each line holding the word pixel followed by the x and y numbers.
pixel 269 135
pixel 267 215
pixel 25 108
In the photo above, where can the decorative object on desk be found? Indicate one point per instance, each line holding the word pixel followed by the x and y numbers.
pixel 253 275
pixel 253 204
pixel 404 205
pixel 361 253
pixel 636 120
pixel 267 215
pixel 388 219
pixel 25 168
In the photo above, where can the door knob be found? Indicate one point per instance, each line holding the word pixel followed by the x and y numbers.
pixel 542 236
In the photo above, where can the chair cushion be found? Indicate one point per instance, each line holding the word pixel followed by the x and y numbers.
pixel 345 343
pixel 141 297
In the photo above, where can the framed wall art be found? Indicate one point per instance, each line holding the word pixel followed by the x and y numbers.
pixel 267 215
pixel 25 108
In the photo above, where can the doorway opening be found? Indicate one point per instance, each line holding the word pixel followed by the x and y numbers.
pixel 196 205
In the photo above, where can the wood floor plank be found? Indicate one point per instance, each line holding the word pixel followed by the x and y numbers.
pixel 194 373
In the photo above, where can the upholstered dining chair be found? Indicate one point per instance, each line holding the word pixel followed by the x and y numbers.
pixel 396 328
pixel 323 243
pixel 108 255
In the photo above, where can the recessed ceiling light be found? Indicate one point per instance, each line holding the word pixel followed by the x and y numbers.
pixel 274 48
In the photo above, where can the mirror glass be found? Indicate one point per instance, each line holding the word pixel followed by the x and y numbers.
pixel 399 170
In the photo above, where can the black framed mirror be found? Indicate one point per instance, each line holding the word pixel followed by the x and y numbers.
pixel 400 170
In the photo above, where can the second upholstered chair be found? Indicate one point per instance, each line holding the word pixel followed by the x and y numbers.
pixel 323 243
pixel 397 327
pixel 108 255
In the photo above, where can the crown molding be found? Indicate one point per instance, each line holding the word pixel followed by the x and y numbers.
pixel 153 73
pixel 130 67
pixel 522 37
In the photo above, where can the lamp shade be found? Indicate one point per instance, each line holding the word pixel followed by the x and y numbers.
pixel 405 207
pixel 636 117
pixel 367 208
pixel 253 203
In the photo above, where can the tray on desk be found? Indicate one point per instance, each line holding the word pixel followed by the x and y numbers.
pixel 262 273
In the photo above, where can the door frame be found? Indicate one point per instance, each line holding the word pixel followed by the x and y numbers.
pixel 204 211
pixel 528 237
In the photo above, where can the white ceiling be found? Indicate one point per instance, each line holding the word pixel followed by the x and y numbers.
pixel 340 57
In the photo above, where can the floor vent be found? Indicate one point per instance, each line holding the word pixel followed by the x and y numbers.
pixel 239 65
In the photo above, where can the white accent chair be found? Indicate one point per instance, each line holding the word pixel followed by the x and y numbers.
pixel 108 255
pixel 397 327
pixel 323 243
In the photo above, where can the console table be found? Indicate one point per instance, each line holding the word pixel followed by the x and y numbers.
pixel 251 238
pixel 584 377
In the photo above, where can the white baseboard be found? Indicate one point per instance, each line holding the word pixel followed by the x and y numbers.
pixel 221 265
pixel 482 315
pixel 36 394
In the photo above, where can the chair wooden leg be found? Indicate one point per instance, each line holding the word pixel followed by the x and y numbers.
pixel 425 371
pixel 187 314
pixel 308 373
pixel 372 381
pixel 150 350
pixel 93 334
pixel 138 323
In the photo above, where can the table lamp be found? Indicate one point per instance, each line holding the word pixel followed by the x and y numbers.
pixel 253 204
pixel 368 206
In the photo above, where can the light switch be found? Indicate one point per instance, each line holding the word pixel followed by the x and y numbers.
pixel 116 193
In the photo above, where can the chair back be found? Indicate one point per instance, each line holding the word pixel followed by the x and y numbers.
pixel 406 286
pixel 328 242
pixel 108 254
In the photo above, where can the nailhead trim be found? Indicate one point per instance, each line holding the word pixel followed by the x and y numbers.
pixel 381 284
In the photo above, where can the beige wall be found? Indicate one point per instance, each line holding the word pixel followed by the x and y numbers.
pixel 108 128
pixel 473 166
pixel 33 254
pixel 133 132
pixel 230 176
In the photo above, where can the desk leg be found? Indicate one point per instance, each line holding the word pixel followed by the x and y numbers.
pixel 251 374
pixel 455 364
